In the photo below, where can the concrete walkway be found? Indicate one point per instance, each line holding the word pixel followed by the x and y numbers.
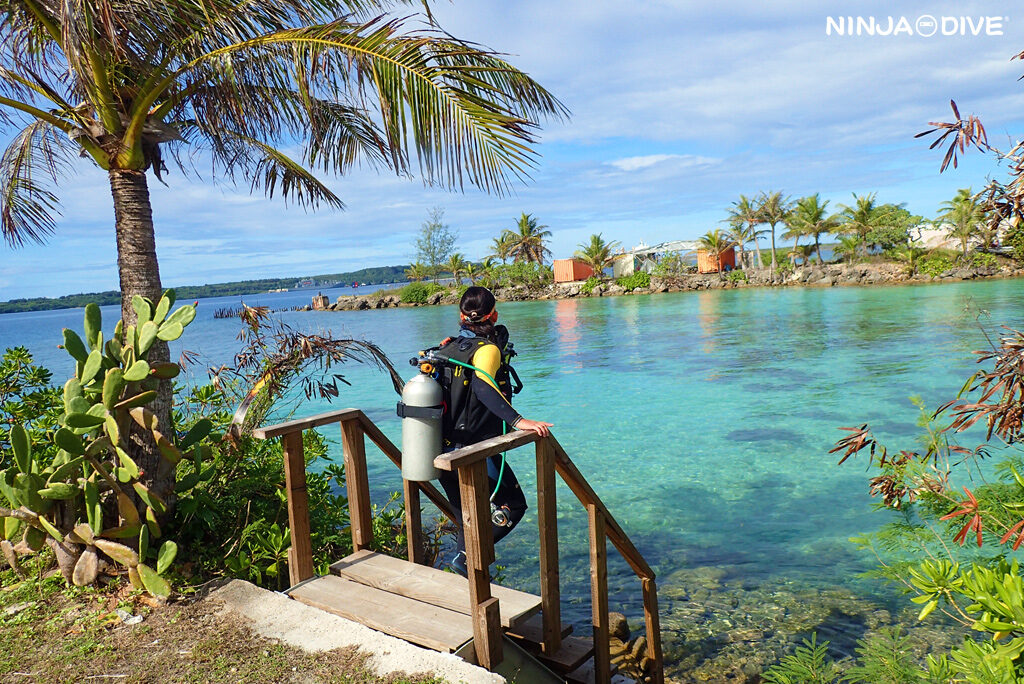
pixel 276 616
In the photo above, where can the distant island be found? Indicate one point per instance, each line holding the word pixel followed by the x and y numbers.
pixel 365 276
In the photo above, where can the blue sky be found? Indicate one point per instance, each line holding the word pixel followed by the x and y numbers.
pixel 677 108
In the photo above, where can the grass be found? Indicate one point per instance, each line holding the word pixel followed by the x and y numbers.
pixel 53 633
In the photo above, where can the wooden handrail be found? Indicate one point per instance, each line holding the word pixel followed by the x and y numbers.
pixel 470 464
pixel 481 451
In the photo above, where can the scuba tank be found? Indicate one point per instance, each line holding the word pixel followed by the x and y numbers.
pixel 420 410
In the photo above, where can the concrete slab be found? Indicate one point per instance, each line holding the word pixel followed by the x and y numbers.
pixel 276 616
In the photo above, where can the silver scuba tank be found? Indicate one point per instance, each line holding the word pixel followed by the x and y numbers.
pixel 420 410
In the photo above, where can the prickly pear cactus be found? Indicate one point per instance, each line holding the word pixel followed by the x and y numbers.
pixel 88 501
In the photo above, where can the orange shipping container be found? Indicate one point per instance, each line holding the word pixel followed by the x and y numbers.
pixel 706 261
pixel 569 270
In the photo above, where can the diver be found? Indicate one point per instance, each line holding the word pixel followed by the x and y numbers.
pixel 479 408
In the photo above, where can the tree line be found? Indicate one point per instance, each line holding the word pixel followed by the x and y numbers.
pixel 369 276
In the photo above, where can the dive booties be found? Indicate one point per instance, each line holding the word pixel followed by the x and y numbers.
pixel 420 410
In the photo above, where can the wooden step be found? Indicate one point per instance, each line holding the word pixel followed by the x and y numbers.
pixel 430 585
pixel 532 631
pixel 574 652
pixel 421 623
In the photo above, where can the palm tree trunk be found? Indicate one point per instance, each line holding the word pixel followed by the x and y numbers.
pixel 817 248
pixel 774 265
pixel 140 275
pixel 757 249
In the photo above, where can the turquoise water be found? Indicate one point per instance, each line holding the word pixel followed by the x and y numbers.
pixel 703 420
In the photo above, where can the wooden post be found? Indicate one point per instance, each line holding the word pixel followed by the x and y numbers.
pixel 476 521
pixel 599 594
pixel 358 484
pixel 300 554
pixel 413 521
pixel 653 623
pixel 547 519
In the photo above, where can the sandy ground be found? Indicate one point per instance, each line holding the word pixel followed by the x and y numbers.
pixel 275 616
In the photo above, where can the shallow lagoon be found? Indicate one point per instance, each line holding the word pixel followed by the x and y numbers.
pixel 703 421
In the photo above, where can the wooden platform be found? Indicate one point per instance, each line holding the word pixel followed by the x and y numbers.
pixel 423 605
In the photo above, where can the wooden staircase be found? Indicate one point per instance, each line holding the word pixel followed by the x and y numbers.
pixel 471 617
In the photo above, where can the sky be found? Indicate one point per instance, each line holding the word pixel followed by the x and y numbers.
pixel 677 107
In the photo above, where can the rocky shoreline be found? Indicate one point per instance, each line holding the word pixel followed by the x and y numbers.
pixel 829 275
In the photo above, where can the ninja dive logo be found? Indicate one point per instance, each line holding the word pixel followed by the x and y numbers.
pixel 925 25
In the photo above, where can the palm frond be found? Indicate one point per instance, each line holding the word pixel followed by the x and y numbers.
pixel 27 205
pixel 458 109
pixel 269 168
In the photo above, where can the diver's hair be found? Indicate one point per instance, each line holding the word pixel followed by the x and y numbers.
pixel 476 303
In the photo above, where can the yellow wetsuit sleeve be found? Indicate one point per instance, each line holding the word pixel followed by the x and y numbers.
pixel 488 359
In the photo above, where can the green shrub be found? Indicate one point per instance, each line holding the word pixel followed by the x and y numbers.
pixel 982 260
pixel 934 264
pixel 736 276
pixel 673 265
pixel 531 275
pixel 640 279
pixel 588 286
pixel 418 292
pixel 1014 239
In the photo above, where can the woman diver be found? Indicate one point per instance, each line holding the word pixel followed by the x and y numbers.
pixel 479 408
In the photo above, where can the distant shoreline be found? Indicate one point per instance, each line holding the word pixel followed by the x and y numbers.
pixel 377 275
pixel 830 275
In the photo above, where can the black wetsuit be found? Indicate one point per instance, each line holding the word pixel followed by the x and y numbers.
pixel 479 416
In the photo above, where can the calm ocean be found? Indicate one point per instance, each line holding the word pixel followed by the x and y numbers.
pixel 702 419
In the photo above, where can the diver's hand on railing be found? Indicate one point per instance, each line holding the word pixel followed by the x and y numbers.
pixel 537 426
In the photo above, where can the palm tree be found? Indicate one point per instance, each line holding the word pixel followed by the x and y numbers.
pixel 773 208
pixel 597 253
pixel 800 254
pixel 527 241
pixel 472 272
pixel 136 85
pixel 859 219
pixel 808 218
pixel 717 244
pixel 964 216
pixel 847 247
pixel 500 246
pixel 745 211
pixel 456 265
pixel 742 233
pixel 416 272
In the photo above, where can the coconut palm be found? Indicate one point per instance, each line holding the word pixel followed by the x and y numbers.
pixel 417 272
pixel 527 241
pixel 773 208
pixel 859 219
pixel 456 265
pixel 716 243
pixel 847 247
pixel 500 246
pixel 228 86
pixel 800 254
pixel 745 210
pixel 597 253
pixel 742 234
pixel 808 218
pixel 473 272
pixel 963 216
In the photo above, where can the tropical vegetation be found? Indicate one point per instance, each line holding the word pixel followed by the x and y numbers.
pixel 528 241
pixel 228 88
pixel 598 254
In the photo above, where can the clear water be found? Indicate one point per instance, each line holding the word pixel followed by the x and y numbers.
pixel 703 420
